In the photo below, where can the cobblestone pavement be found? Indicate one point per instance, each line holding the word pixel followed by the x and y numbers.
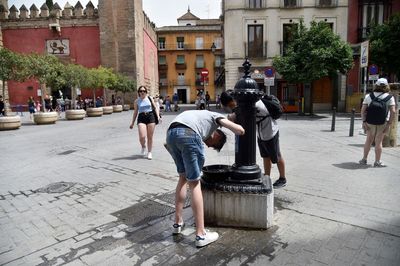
pixel 78 193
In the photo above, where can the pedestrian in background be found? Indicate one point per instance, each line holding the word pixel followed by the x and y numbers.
pixel 208 99
pixel 38 106
pixel 377 113
pixel 175 100
pixel 47 103
pixel 31 107
pixel 146 120
pixel 218 102
pixel 2 106
pixel 167 104
pixel 184 142
pixel 268 137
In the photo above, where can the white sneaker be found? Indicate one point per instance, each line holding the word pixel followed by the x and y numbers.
pixel 178 228
pixel 143 152
pixel 149 156
pixel 206 239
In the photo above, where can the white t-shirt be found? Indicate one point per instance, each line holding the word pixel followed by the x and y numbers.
pixel 380 95
pixel 268 127
pixel 203 122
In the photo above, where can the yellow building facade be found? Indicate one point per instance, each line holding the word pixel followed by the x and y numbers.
pixel 187 51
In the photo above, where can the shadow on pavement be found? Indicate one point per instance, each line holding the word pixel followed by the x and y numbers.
pixel 357 145
pixel 351 166
pixel 133 157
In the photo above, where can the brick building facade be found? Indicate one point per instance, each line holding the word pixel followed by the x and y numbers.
pixel 111 35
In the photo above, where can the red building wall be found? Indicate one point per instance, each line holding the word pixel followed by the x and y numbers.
pixel 84 50
pixel 150 58
pixel 353 78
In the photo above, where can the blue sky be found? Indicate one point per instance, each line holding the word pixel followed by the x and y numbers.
pixel 161 12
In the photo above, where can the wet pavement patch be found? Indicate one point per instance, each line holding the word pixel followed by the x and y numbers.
pixel 143 212
pixel 281 203
pixel 58 187
pixel 148 210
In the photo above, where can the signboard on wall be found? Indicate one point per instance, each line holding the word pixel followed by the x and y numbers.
pixel 57 47
pixel 364 54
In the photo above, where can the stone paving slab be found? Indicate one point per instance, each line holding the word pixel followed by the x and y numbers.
pixel 333 212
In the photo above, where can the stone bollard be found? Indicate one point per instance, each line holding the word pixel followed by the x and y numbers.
pixel 333 119
pixel 351 133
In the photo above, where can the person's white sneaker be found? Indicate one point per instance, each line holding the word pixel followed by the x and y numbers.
pixel 143 152
pixel 149 156
pixel 207 238
pixel 178 228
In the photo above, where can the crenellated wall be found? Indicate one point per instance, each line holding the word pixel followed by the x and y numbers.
pixel 77 11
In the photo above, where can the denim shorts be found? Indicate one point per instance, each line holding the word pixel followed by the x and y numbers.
pixel 187 150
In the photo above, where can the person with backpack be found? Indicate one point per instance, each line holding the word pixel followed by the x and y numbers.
pixel 377 113
pixel 268 111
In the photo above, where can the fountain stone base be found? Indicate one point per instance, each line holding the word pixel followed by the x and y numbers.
pixel 239 204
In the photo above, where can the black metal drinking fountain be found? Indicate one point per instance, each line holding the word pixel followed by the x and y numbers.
pixel 244 174
pixel 239 195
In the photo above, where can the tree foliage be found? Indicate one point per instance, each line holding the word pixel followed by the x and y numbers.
pixel 385 45
pixel 44 68
pixel 314 53
pixel 12 66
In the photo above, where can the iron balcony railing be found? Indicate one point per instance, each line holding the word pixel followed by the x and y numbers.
pixel 163 82
pixel 186 46
pixel 162 66
pixel 180 82
pixel 180 66
pixel 251 52
pixel 363 33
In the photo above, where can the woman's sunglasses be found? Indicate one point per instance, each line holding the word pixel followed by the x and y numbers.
pixel 142 91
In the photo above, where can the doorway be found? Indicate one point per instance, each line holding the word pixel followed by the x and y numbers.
pixel 182 95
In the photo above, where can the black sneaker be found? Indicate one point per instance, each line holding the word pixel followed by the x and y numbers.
pixel 281 182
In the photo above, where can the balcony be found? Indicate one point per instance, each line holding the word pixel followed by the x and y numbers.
pixel 180 82
pixel 180 66
pixel 187 46
pixel 254 54
pixel 162 66
pixel 163 82
pixel 326 3
pixel 291 3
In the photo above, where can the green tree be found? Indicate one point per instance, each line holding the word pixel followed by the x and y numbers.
pixel 91 81
pixel 73 76
pixel 124 85
pixel 12 67
pixel 314 53
pixel 385 45
pixel 107 80
pixel 45 69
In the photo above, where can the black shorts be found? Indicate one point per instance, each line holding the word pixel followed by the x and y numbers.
pixel 270 148
pixel 146 118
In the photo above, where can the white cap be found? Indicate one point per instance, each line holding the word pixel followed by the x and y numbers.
pixel 381 82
